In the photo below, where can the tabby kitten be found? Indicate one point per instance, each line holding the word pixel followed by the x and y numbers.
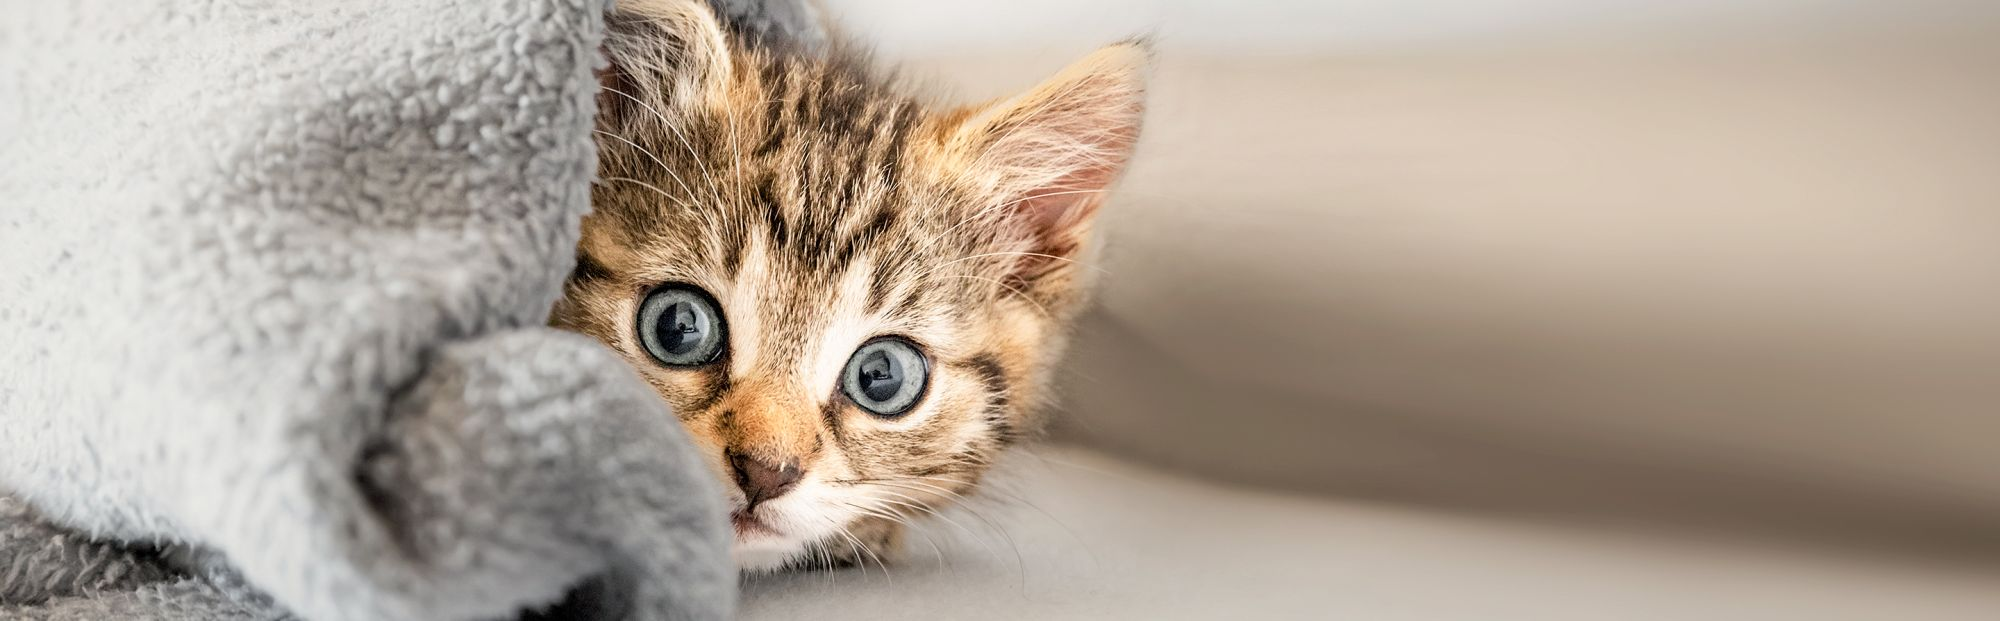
pixel 851 298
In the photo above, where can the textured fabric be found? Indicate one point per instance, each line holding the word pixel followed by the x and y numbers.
pixel 39 561
pixel 272 285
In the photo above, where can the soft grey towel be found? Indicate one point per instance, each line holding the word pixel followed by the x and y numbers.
pixel 272 284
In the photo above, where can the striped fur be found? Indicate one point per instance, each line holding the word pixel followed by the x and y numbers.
pixel 823 204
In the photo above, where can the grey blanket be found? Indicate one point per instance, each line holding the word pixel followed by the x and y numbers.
pixel 273 277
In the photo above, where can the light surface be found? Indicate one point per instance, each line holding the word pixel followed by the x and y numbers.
pixel 1105 540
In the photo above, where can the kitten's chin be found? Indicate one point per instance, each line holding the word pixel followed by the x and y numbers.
pixel 765 553
pixel 759 547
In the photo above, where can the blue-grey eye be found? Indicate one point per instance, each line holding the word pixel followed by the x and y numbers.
pixel 681 326
pixel 887 376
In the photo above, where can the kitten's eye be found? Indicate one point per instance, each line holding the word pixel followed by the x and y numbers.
pixel 887 376
pixel 681 326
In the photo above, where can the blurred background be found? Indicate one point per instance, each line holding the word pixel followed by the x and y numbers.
pixel 1716 275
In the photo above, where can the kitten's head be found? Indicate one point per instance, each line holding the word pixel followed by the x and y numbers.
pixel 852 299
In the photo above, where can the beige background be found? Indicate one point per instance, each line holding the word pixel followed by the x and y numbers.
pixel 1712 263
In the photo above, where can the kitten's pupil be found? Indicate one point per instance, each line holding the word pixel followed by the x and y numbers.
pixel 686 330
pixel 881 376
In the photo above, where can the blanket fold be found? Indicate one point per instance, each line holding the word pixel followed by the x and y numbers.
pixel 273 278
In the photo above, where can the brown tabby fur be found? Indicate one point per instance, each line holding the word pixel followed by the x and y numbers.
pixel 821 206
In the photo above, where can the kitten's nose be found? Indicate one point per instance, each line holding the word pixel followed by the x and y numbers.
pixel 762 480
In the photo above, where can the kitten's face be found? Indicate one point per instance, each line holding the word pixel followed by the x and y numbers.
pixel 850 301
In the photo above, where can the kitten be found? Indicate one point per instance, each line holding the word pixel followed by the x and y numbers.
pixel 851 297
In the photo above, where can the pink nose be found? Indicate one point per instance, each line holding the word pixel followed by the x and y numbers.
pixel 761 480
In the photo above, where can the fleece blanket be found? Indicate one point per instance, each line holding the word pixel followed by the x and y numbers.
pixel 273 277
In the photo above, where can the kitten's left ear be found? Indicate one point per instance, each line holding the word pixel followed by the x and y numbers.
pixel 1046 157
pixel 663 55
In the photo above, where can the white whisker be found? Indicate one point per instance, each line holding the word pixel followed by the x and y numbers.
pixel 713 191
pixel 1023 294
pixel 649 187
pixel 902 521
pixel 940 266
pixel 656 159
pixel 992 208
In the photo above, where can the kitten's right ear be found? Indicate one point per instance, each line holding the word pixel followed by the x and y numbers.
pixel 1046 157
pixel 664 54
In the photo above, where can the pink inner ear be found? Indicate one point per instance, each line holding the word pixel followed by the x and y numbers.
pixel 1054 210
pixel 1057 218
pixel 1058 214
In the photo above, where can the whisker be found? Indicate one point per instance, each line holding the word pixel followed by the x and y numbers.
pixel 917 482
pixel 903 521
pixel 990 209
pixel 920 479
pixel 913 482
pixel 855 546
pixel 923 487
pixel 713 191
pixel 880 513
pixel 940 266
pixel 649 187
pixel 993 488
pixel 934 513
pixel 824 557
pixel 656 159
pixel 1016 546
pixel 859 549
pixel 1022 294
pixel 886 574
pixel 1020 562
pixel 914 504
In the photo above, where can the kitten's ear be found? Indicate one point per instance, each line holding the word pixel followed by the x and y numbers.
pixel 668 54
pixel 1048 155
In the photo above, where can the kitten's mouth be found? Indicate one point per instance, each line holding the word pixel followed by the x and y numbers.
pixel 749 526
pixel 759 545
